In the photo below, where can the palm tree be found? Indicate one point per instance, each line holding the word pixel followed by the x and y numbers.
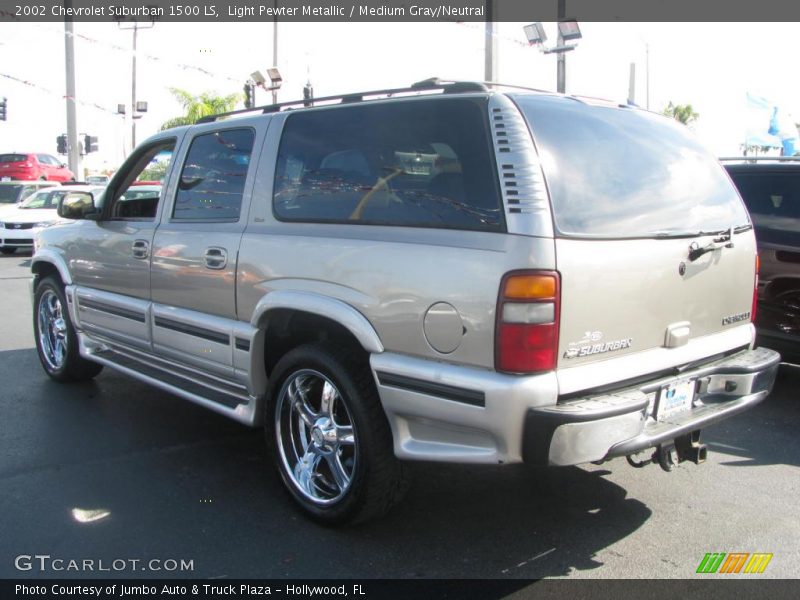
pixel 197 107
pixel 683 113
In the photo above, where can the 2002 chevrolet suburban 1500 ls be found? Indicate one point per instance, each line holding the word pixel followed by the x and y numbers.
pixel 446 272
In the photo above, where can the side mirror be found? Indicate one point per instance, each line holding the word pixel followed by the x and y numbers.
pixel 77 205
pixel 63 165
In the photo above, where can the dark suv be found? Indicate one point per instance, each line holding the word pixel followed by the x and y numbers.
pixel 770 188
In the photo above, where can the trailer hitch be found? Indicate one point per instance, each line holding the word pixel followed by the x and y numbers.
pixel 668 455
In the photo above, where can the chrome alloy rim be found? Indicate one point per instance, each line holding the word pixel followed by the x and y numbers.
pixel 52 330
pixel 316 439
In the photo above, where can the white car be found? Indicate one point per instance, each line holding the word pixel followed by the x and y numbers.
pixel 19 225
pixel 12 193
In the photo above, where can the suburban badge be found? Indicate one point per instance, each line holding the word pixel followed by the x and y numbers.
pixel 591 344
pixel 736 318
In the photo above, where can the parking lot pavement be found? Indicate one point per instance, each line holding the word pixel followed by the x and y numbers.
pixel 113 469
pixel 15 304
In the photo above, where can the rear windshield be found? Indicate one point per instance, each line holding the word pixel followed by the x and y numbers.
pixel 11 158
pixel 624 173
pixel 773 199
pixel 9 193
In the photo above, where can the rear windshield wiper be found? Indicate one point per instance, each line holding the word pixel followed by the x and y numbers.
pixel 724 239
pixel 671 234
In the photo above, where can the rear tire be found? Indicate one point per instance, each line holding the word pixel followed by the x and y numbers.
pixel 329 437
pixel 56 341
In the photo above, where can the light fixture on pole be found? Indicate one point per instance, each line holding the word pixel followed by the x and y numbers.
pixel 135 27
pixel 275 79
pixel 567 30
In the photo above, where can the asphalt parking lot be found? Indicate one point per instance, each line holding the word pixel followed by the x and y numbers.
pixel 114 470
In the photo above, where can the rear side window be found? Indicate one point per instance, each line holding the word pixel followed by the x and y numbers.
pixel 9 193
pixel 773 199
pixel 12 158
pixel 213 176
pixel 623 173
pixel 420 163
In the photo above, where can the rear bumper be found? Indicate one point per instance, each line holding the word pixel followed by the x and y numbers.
pixel 622 422
pixel 19 175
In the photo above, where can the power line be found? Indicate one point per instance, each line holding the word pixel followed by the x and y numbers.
pixel 150 57
pixel 55 93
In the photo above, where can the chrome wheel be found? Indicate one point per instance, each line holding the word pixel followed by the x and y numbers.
pixel 52 330
pixel 315 437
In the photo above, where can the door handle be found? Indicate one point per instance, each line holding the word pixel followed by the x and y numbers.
pixel 140 249
pixel 216 258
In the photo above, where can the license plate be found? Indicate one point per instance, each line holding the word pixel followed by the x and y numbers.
pixel 5 178
pixel 675 398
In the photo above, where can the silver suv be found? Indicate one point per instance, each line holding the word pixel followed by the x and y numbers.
pixel 445 272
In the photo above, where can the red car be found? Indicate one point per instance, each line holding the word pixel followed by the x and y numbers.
pixel 33 166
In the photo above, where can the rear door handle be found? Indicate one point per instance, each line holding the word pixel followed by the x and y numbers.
pixel 140 249
pixel 216 258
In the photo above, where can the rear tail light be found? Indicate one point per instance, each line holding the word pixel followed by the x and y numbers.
pixel 527 322
pixel 755 292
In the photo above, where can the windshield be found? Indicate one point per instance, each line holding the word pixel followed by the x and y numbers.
pixel 9 194
pixel 43 199
pixel 625 173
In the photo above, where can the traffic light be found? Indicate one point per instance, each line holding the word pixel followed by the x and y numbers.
pixel 3 109
pixel 61 144
pixel 249 94
pixel 90 143
pixel 308 94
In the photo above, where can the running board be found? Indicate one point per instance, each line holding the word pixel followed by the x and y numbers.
pixel 228 399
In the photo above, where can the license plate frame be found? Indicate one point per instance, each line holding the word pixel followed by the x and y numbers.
pixel 5 178
pixel 675 398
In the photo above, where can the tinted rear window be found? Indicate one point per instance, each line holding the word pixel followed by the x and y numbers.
pixel 11 158
pixel 619 173
pixel 773 199
pixel 9 193
pixel 420 163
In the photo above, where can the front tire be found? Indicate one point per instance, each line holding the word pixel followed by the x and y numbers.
pixel 56 341
pixel 329 437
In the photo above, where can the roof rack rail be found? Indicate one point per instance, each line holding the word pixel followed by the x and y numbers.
pixel 760 158
pixel 428 85
pixel 512 86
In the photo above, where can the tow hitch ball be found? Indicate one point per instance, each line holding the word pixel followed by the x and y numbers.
pixel 686 447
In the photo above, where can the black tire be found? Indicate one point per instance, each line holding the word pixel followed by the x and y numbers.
pixel 67 364
pixel 375 479
pixel 8 251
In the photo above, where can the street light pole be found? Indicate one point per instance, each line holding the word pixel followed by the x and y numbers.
pixel 135 29
pixel 561 61
pixel 490 45
pixel 73 150
pixel 133 88
pixel 275 49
